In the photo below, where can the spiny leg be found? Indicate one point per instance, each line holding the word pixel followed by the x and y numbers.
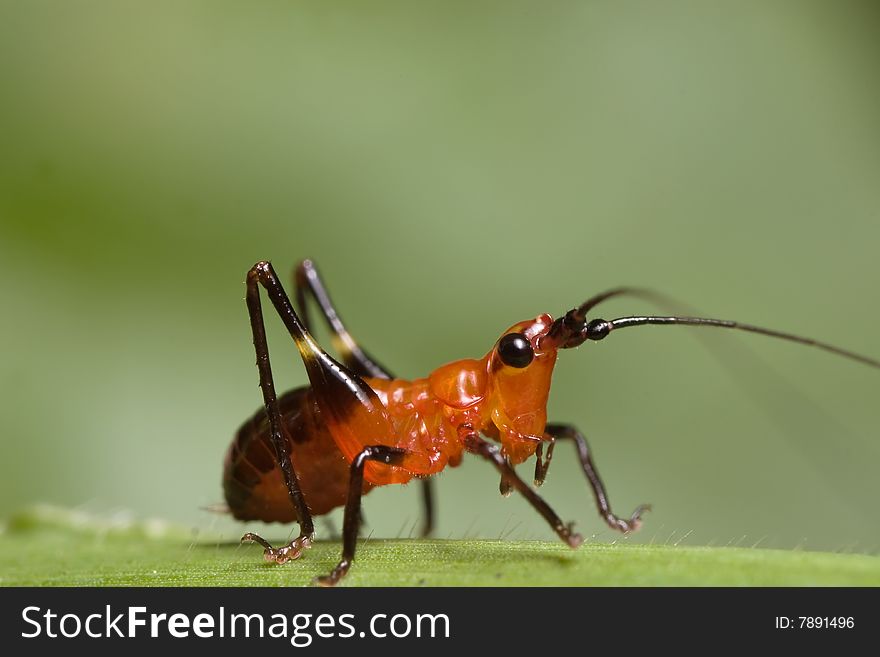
pixel 352 520
pixel 589 468
pixel 492 453
pixel 307 280
pixel 263 274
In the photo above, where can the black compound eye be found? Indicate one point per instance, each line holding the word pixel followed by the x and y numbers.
pixel 515 351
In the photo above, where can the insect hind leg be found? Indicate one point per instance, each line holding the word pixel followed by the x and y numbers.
pixel 263 274
pixel 307 280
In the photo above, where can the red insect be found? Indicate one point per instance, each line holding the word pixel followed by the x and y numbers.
pixel 357 427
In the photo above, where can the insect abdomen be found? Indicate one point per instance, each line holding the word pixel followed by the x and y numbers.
pixel 252 479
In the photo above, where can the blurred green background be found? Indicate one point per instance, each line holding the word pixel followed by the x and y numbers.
pixel 452 168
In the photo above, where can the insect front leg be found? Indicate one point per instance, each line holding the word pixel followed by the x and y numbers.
pixel 307 280
pixel 352 521
pixel 263 274
pixel 542 463
pixel 570 432
pixel 492 453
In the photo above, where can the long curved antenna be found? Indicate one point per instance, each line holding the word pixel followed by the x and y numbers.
pixel 570 331
pixel 661 300
pixel 599 329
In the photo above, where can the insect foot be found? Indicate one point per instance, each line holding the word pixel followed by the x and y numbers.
pixel 335 575
pixel 289 552
pixel 571 537
pixel 631 525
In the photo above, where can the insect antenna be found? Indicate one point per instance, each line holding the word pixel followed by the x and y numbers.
pixel 598 329
pixel 573 329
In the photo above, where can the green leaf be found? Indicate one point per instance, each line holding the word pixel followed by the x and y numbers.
pixel 46 546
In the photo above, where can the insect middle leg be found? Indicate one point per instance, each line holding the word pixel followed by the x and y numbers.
pixel 307 280
pixel 492 453
pixel 352 521
pixel 568 431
